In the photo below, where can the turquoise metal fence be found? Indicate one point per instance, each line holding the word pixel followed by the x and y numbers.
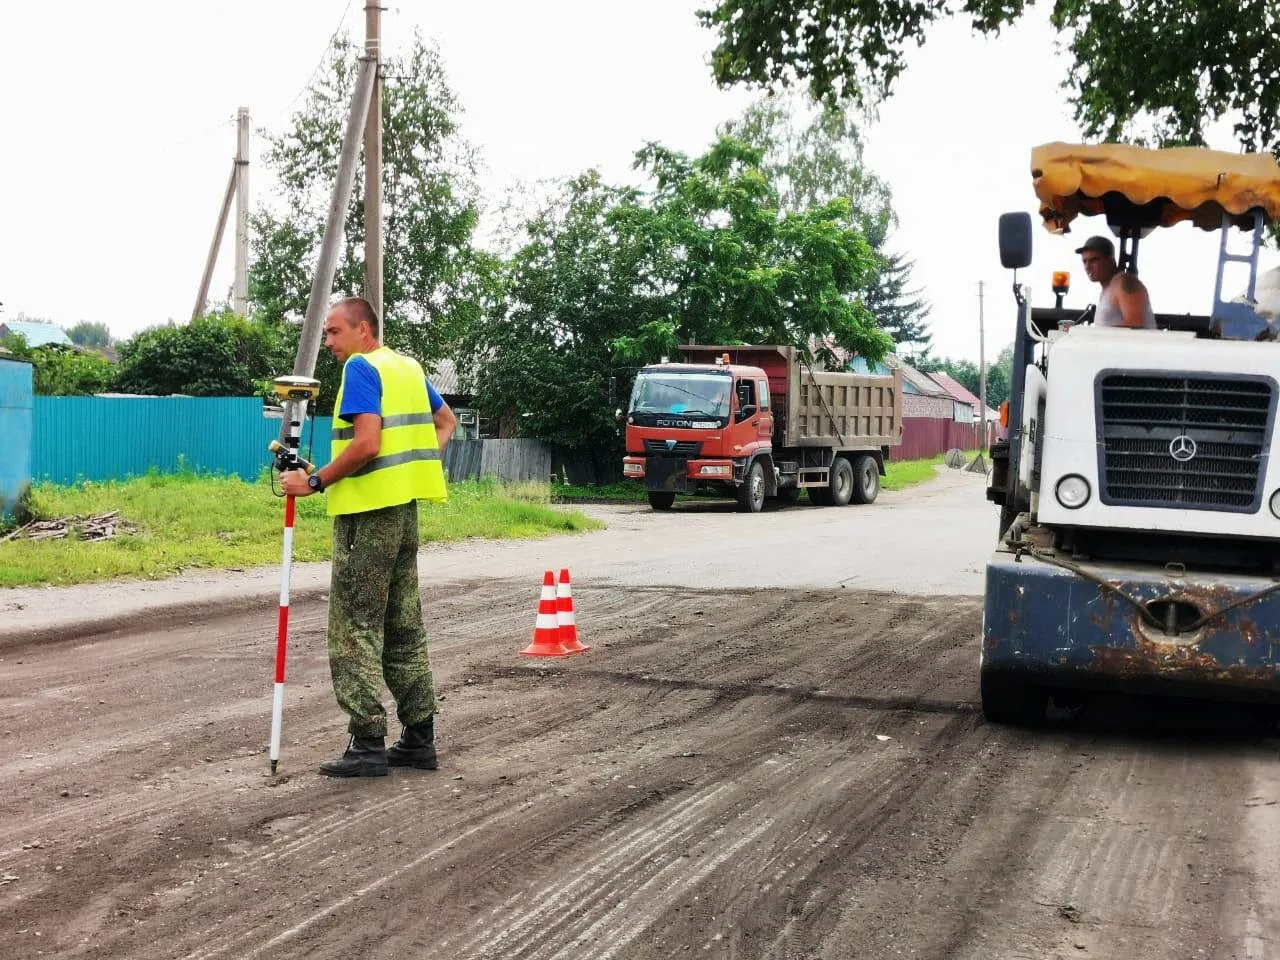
pixel 15 432
pixel 113 438
pixel 72 439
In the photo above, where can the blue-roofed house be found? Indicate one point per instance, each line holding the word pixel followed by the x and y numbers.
pixel 35 333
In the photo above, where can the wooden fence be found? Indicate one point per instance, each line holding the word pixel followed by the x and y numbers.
pixel 514 461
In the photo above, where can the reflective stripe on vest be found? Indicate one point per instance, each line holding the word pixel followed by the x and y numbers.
pixel 403 420
pixel 408 465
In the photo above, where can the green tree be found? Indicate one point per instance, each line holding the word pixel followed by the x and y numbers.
pixel 997 385
pixel 59 370
pixel 898 307
pixel 821 161
pixel 609 278
pixel 433 276
pixel 1159 68
pixel 545 355
pixel 219 355
pixel 816 162
pixel 89 334
pixel 721 262
pixel 1004 364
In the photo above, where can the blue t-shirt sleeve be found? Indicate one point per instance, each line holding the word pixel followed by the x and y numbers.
pixel 437 401
pixel 361 389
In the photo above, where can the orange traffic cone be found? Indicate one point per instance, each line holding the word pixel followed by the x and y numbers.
pixel 546 629
pixel 564 614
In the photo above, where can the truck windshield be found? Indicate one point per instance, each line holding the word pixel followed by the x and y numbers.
pixel 691 394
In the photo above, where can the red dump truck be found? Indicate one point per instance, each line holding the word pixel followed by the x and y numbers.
pixel 756 422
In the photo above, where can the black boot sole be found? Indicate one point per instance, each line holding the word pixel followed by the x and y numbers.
pixel 412 762
pixel 364 771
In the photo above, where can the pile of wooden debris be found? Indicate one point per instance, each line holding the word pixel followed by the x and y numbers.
pixel 102 526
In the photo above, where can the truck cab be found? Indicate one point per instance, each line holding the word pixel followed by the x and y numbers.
pixel 1139 532
pixel 698 424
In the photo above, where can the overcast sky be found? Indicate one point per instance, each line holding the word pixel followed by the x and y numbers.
pixel 119 122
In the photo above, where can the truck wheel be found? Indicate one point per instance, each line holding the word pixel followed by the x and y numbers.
pixel 866 479
pixel 751 493
pixel 841 484
pixel 1012 702
pixel 661 501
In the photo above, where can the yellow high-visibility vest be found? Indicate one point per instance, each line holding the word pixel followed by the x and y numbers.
pixel 408 465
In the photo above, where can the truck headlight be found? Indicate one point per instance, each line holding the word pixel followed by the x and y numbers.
pixel 633 469
pixel 1072 491
pixel 1275 503
pixel 714 470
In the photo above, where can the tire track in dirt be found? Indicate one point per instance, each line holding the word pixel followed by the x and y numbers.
pixel 529 725
pixel 1120 868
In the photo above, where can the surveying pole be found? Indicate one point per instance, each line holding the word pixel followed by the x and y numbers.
pixel 294 393
pixel 373 160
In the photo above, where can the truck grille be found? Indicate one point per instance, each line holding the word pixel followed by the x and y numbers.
pixel 681 448
pixel 1179 441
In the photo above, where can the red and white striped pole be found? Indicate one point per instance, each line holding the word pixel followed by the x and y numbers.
pixel 294 392
pixel 282 634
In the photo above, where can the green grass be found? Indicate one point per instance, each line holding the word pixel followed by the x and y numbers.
pixel 186 521
pixel 907 473
pixel 627 491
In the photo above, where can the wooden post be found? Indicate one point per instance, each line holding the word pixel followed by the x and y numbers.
pixel 373 273
pixel 240 292
pixel 322 282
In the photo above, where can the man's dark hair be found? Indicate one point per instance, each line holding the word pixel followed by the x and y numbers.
pixel 358 309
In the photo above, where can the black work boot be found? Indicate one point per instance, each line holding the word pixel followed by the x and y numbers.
pixel 365 757
pixel 416 747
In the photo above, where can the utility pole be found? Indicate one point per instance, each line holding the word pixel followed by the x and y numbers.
pixel 238 190
pixel 240 292
pixel 212 259
pixel 982 371
pixel 373 161
pixel 322 282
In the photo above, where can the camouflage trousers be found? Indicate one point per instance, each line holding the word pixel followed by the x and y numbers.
pixel 375 620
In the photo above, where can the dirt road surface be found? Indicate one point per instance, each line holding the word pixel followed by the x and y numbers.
pixel 792 772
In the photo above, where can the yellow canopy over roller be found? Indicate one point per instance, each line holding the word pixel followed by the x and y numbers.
pixel 1181 183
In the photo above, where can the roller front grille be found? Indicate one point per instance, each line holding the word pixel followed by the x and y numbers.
pixel 1182 441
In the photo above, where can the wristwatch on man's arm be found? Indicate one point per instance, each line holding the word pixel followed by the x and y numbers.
pixel 315 483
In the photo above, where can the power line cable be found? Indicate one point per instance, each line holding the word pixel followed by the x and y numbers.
pixel 319 64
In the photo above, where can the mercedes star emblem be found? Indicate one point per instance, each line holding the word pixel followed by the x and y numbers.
pixel 1182 448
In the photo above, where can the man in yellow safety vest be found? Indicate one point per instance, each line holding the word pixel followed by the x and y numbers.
pixel 389 430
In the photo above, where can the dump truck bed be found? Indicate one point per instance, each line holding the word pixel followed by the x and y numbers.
pixel 820 408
